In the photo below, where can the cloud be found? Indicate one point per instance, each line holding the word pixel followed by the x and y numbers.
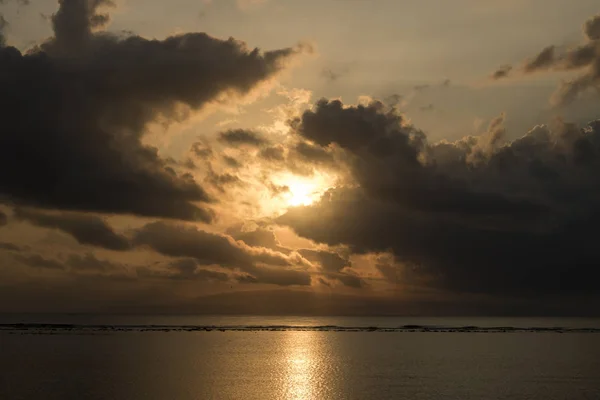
pixel 331 75
pixel 184 270
pixel 38 261
pixel 330 262
pixel 188 269
pixel 9 246
pixel 592 28
pixel 543 60
pixel 312 154
pixel 584 58
pixel 3 26
pixel 332 266
pixel 502 72
pixel 3 219
pixel 80 265
pixel 232 162
pixel 518 218
pixel 86 229
pixel 259 237
pixel 76 108
pixel 280 277
pixel 239 137
pixel 222 181
pixel 89 263
pixel 274 153
pixel 260 264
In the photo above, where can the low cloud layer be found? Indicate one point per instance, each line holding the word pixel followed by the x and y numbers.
pixel 257 264
pixel 75 109
pixel 86 229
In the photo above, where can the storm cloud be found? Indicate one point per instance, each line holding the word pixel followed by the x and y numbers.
pixel 75 109
pixel 519 218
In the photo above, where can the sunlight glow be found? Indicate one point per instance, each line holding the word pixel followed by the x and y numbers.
pixel 294 191
pixel 301 193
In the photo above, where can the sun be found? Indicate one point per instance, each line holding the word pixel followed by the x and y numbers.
pixel 301 193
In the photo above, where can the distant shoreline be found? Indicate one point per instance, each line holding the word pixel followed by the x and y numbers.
pixel 32 328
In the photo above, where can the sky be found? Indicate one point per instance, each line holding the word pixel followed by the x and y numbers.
pixel 300 157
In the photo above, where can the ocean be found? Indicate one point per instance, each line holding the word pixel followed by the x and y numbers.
pixel 187 357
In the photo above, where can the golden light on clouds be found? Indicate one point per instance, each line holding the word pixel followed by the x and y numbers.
pixel 302 191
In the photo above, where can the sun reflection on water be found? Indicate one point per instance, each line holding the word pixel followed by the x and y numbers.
pixel 303 367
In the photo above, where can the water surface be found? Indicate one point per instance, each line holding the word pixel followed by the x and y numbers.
pixel 299 364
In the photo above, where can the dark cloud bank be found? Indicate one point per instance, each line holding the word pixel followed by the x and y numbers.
pixel 472 216
pixel 75 108
pixel 248 260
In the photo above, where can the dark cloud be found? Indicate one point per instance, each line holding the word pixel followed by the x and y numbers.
pixel 312 154
pixel 38 261
pixel 330 75
pixel 75 110
pixel 592 28
pixel 188 269
pixel 9 246
pixel 89 263
pixel 517 218
pixel 543 60
pixel 277 189
pixel 352 281
pixel 259 237
pixel 201 150
pixel 280 277
pixel 350 128
pixel 86 229
pixel 3 26
pixel 232 162
pixel 330 262
pixel 238 137
pixel 332 265
pixel 274 153
pixel 3 219
pixel 324 282
pixel 585 58
pixel 502 72
pixel 258 263
pixel 222 181
pixel 185 269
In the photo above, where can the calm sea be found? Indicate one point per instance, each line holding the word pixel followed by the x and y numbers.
pixel 125 357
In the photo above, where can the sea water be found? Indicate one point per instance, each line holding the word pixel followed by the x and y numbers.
pixel 172 357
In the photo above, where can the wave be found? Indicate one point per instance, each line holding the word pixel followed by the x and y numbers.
pixel 32 328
